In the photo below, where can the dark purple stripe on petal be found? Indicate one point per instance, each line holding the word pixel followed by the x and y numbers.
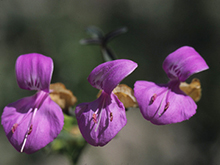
pixel 183 62
pixel 108 75
pixel 36 118
pixel 170 106
pixel 99 121
pixel 34 71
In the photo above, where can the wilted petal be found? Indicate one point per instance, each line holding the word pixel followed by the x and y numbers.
pixel 193 89
pixel 162 105
pixel 62 96
pixel 99 121
pixel 34 71
pixel 126 95
pixel 46 124
pixel 183 62
pixel 108 75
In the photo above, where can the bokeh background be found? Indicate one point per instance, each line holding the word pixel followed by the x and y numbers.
pixel 155 29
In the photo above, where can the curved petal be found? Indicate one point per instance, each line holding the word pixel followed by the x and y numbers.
pixel 108 75
pixel 183 62
pixel 181 107
pixel 34 71
pixel 108 120
pixel 46 123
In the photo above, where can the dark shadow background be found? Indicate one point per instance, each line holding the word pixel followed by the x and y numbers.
pixel 155 29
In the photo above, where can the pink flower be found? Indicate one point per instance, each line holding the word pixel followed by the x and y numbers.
pixel 32 122
pixel 166 103
pixel 99 121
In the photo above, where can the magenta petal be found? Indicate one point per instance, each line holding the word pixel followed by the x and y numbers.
pixel 34 71
pixel 108 75
pixel 181 107
pixel 183 62
pixel 111 113
pixel 46 124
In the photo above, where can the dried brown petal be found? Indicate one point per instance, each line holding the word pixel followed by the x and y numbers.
pixel 62 96
pixel 193 89
pixel 125 94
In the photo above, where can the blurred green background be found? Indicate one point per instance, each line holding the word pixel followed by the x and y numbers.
pixel 155 29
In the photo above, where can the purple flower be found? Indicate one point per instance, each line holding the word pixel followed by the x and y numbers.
pixel 32 122
pixel 99 121
pixel 166 104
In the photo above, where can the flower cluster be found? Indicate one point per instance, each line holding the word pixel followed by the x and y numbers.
pixel 32 122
